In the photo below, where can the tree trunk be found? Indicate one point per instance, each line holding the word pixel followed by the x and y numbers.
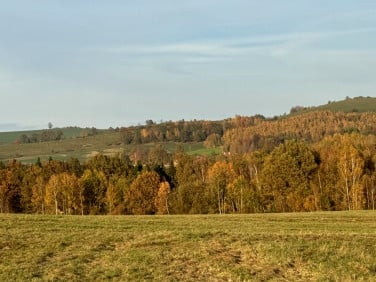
pixel 241 198
pixel 348 195
pixel 219 201
pixel 56 208
pixel 168 212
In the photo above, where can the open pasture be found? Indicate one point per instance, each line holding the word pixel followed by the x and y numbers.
pixel 336 246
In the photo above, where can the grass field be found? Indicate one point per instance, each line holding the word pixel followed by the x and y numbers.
pixel 336 246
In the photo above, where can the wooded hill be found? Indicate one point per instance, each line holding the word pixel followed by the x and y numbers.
pixel 305 161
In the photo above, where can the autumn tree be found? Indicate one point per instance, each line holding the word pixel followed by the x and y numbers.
pixel 53 194
pixel 117 188
pixel 4 190
pixel 220 175
pixel 161 200
pixel 38 195
pixel 236 191
pixel 213 140
pixel 29 179
pixel 70 193
pixel 190 194
pixel 350 165
pixel 286 177
pixel 92 187
pixel 159 156
pixel 140 198
pixel 369 184
pixel 10 187
pixel 343 169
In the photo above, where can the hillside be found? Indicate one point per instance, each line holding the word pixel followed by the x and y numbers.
pixel 311 126
pixel 239 134
pixel 357 104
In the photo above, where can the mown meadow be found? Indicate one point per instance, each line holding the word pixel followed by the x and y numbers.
pixel 322 246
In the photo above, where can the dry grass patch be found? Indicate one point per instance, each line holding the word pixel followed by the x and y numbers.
pixel 280 247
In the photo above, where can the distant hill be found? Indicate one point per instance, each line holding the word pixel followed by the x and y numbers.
pixel 68 133
pixel 349 105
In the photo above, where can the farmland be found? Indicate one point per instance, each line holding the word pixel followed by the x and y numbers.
pixel 323 246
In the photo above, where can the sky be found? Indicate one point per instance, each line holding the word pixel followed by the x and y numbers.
pixel 120 62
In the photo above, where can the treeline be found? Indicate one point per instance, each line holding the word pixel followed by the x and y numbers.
pixel 335 173
pixel 180 131
pixel 242 134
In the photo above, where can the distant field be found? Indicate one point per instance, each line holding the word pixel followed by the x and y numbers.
pixel 81 148
pixel 85 148
pixel 10 137
pixel 337 246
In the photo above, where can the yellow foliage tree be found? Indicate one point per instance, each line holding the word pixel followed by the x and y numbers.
pixel 351 170
pixel 53 194
pixel 140 198
pixel 161 201
pixel 220 175
pixel 61 193
pixel 38 195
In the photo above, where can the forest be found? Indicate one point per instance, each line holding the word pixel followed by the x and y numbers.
pixel 314 161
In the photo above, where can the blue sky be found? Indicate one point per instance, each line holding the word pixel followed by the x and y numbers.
pixel 115 63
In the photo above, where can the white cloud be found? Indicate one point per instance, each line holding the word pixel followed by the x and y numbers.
pixel 298 41
pixel 274 45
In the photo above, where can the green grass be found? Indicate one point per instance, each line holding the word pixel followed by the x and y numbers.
pixel 338 246
pixel 204 151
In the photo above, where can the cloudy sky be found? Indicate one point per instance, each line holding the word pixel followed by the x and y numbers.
pixel 121 62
